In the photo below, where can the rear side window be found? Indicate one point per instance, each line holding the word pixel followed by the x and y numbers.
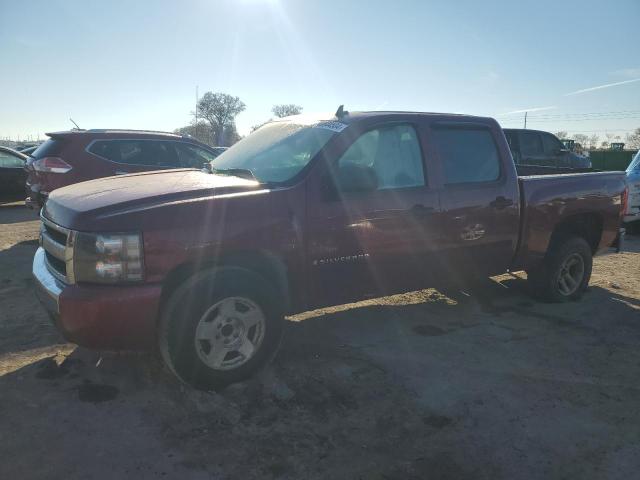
pixel 531 144
pixel 467 155
pixel 147 153
pixel 50 148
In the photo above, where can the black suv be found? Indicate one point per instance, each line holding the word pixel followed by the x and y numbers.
pixel 535 152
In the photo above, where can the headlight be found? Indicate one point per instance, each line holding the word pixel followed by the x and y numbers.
pixel 107 258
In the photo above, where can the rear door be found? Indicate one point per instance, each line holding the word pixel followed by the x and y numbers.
pixel 373 237
pixel 479 199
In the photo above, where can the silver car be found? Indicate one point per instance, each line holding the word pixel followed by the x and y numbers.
pixel 633 181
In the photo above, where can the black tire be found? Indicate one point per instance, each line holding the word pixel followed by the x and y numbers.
pixel 184 312
pixel 544 281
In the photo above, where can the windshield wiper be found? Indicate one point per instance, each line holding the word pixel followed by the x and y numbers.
pixel 236 172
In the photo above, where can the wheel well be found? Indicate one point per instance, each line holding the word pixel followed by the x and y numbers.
pixel 586 225
pixel 264 263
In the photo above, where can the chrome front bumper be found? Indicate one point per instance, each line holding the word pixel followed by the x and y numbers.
pixel 48 287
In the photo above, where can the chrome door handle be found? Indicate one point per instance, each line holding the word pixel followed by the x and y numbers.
pixel 501 202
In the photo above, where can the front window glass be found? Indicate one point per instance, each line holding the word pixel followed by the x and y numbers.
pixel 277 151
pixel 552 145
pixel 391 156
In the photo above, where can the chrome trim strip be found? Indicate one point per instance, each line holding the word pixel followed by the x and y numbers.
pixel 52 271
pixel 54 248
pixel 63 253
pixel 55 226
pixel 47 284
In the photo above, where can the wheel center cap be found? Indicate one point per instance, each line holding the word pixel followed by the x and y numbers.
pixel 227 330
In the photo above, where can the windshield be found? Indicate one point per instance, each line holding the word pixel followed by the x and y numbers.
pixel 635 163
pixel 277 151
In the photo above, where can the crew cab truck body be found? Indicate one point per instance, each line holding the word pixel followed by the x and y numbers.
pixel 537 152
pixel 306 213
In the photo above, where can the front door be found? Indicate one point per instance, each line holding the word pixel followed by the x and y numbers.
pixel 373 232
pixel 480 205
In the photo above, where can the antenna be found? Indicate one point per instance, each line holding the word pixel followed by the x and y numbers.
pixel 525 120
pixel 77 127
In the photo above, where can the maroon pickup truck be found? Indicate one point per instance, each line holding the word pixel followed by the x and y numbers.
pixel 305 213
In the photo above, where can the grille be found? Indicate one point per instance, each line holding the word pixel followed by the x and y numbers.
pixel 57 244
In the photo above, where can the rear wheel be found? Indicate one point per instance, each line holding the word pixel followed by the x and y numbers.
pixel 219 327
pixel 565 272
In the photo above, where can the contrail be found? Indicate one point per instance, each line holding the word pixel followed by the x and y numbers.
pixel 534 109
pixel 599 87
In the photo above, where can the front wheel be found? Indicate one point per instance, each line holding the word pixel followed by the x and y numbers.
pixel 565 272
pixel 219 327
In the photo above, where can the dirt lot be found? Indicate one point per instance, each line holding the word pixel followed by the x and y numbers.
pixel 486 384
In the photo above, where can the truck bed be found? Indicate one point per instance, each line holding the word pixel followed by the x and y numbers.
pixel 582 198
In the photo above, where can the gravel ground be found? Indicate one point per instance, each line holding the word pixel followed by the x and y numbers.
pixel 430 384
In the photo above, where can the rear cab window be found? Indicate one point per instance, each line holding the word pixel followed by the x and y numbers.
pixel 468 155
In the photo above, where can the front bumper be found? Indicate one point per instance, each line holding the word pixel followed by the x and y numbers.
pixel 102 317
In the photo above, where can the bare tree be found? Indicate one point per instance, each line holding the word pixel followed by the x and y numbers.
pixel 593 141
pixel 581 142
pixel 633 139
pixel 206 134
pixel 202 132
pixel 561 134
pixel 286 110
pixel 220 110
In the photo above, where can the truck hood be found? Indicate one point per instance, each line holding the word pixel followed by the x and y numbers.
pixel 76 205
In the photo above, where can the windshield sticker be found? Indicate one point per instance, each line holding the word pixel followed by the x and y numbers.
pixel 333 126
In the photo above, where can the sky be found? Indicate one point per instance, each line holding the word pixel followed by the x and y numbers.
pixel 573 65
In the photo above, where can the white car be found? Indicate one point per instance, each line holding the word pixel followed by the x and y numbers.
pixel 633 181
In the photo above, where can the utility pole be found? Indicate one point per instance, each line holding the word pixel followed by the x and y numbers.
pixel 196 129
pixel 525 120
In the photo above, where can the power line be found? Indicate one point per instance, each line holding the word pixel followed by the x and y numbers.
pixel 568 115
